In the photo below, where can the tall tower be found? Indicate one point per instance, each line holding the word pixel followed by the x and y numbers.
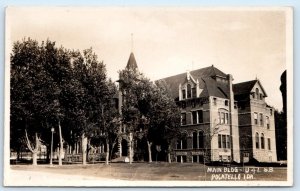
pixel 131 64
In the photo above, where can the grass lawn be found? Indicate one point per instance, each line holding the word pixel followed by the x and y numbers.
pixel 163 171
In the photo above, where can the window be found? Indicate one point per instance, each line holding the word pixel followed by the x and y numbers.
pixel 201 139
pixel 183 94
pixel 226 102
pixel 268 122
pixel 223 118
pixel 271 112
pixel 194 93
pixel 227 141
pixel 224 141
pixel 183 119
pixel 222 121
pixel 195 158
pixel 184 143
pixel 194 117
pixel 257 140
pixel 261 96
pixel 253 95
pixel 200 116
pixel 261 119
pixel 178 158
pixel 226 118
pixel 195 139
pixel 255 119
pixel 215 101
pixel 269 143
pixel 189 93
pixel 178 144
pixel 262 140
pixel 220 141
pixel 257 93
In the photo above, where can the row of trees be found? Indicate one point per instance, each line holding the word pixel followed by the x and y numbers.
pixel 69 91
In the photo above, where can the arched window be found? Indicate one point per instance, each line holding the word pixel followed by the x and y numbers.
pixel 189 91
pixel 201 139
pixel 257 140
pixel 268 122
pixel 262 141
pixel 178 144
pixel 257 93
pixel 184 143
pixel 195 139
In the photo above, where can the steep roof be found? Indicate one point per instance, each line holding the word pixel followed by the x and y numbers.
pixel 243 87
pixel 246 87
pixel 215 89
pixel 131 64
pixel 205 77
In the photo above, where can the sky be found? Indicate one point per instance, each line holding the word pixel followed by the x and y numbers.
pixel 248 43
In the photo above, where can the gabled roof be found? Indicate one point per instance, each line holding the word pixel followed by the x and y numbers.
pixel 131 64
pixel 243 87
pixel 246 87
pixel 205 77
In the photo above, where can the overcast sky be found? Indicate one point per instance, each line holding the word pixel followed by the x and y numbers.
pixel 246 43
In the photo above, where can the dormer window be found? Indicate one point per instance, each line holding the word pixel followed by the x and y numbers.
pixel 257 93
pixel 189 92
pixel 194 93
pixel 183 94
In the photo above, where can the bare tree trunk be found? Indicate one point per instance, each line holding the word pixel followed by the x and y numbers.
pixel 169 158
pixel 33 150
pixel 169 154
pixel 107 153
pixel 84 146
pixel 88 148
pixel 34 158
pixel 149 151
pixel 130 152
pixel 61 146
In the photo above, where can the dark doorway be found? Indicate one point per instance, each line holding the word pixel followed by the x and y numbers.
pixel 124 148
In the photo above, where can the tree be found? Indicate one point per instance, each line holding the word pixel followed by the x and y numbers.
pixel 148 109
pixel 96 103
pixel 168 117
pixel 163 117
pixel 31 92
pixel 56 87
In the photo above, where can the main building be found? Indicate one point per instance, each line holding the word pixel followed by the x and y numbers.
pixel 220 121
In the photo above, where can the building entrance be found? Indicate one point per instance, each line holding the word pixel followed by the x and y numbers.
pixel 124 147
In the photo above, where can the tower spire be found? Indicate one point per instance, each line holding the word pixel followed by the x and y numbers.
pixel 131 42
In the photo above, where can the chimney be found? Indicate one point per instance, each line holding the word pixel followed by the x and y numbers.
pixel 234 129
pixel 231 109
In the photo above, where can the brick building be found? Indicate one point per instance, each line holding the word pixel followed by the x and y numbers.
pixel 256 122
pixel 209 116
pixel 220 121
